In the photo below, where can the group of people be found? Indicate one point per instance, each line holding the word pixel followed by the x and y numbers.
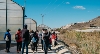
pixel 21 37
pixel 48 39
pixel 24 38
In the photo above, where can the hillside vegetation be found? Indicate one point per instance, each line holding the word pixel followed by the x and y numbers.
pixel 84 42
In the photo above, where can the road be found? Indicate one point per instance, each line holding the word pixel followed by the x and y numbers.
pixel 59 49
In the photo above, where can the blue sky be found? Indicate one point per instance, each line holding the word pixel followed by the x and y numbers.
pixel 58 13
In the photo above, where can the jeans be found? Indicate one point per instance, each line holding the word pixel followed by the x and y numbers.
pixel 8 45
pixel 19 46
pixel 50 46
pixel 42 43
pixel 46 45
pixel 34 46
pixel 25 43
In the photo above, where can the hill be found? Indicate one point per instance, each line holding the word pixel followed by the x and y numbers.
pixel 92 23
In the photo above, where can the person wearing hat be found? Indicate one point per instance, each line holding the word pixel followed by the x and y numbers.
pixel 18 39
pixel 7 38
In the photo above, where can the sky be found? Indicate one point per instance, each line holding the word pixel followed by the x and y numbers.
pixel 58 13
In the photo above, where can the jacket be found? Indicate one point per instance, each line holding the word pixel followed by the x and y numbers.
pixel 19 36
pixel 9 36
pixel 25 35
pixel 53 36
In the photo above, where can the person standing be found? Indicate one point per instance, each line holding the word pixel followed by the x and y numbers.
pixel 46 40
pixel 7 37
pixel 42 38
pixel 25 39
pixel 18 39
pixel 31 35
pixel 37 36
pixel 53 38
pixel 34 42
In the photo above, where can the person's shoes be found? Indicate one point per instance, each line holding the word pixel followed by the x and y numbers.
pixel 36 52
pixel 33 52
pixel 8 51
pixel 17 51
pixel 5 50
pixel 50 49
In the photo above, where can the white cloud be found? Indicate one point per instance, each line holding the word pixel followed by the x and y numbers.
pixel 79 7
pixel 67 2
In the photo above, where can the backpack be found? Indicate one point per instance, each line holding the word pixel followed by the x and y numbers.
pixel 16 37
pixel 34 39
pixel 7 38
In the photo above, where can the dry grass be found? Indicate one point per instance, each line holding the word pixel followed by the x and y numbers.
pixel 87 43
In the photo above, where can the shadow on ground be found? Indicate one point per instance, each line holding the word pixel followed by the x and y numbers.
pixel 3 45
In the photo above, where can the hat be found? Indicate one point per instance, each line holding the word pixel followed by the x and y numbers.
pixel 8 30
pixel 19 29
pixel 45 29
pixel 53 32
pixel 25 26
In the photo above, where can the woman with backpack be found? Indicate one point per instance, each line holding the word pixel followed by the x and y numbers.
pixel 31 35
pixel 18 39
pixel 7 37
pixel 34 42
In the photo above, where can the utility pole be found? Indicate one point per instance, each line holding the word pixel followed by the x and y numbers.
pixel 42 19
pixel 24 13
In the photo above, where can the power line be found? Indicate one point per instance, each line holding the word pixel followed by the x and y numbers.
pixel 55 7
pixel 51 4
pixel 46 7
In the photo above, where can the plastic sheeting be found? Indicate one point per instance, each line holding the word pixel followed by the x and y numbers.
pixel 14 17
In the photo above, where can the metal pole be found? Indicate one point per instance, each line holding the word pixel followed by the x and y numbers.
pixel 23 16
pixel 24 13
pixel 6 14
pixel 42 20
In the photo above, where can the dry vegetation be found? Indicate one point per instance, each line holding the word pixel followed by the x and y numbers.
pixel 85 42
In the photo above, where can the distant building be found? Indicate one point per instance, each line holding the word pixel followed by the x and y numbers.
pixel 40 27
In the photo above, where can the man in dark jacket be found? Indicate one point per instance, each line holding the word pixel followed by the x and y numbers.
pixel 46 38
pixel 7 37
pixel 25 39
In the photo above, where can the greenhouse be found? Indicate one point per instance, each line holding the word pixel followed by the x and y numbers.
pixel 11 17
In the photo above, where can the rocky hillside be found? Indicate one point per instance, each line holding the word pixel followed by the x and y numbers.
pixel 92 23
